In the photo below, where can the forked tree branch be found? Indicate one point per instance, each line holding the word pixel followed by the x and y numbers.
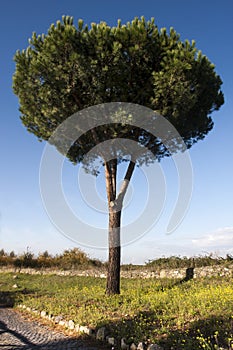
pixel 117 203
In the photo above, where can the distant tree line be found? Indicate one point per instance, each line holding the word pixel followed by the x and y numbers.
pixel 68 260
pixel 75 259
pixel 174 262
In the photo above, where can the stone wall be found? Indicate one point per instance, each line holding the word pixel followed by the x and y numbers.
pixel 207 271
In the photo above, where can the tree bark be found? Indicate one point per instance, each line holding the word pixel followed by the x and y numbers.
pixel 115 207
pixel 114 260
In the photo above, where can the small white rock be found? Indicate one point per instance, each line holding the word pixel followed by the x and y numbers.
pixel 57 319
pixel 71 324
pixel 43 313
pixel 124 346
pixel 62 323
pixel 141 346
pixel 111 341
pixel 15 286
pixel 101 333
pixel 77 328
pixel 85 330
pixel 154 347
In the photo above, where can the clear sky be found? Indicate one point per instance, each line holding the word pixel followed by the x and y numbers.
pixel 208 224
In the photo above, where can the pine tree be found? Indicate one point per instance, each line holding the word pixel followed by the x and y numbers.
pixel 72 68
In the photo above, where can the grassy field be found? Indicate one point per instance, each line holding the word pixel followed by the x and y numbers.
pixel 197 314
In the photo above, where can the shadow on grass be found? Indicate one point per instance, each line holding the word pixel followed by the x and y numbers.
pixel 148 325
pixel 144 326
pixel 9 298
pixel 189 275
pixel 212 332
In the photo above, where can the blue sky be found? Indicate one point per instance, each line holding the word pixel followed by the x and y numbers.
pixel 208 224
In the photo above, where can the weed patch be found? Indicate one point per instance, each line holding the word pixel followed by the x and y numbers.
pixel 191 315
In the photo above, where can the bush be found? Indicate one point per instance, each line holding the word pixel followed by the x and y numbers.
pixel 72 259
pixel 174 262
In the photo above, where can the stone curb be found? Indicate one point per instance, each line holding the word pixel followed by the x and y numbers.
pixel 100 334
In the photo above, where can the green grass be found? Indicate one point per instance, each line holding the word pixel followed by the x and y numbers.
pixel 194 315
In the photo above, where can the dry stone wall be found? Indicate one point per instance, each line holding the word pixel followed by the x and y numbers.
pixel 206 271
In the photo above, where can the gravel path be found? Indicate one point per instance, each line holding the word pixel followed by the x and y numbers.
pixel 18 333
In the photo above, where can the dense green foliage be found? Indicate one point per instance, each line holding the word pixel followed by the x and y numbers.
pixel 173 262
pixel 77 259
pixel 68 260
pixel 71 68
pixel 193 315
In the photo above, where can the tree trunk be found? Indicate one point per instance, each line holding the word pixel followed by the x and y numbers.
pixel 113 278
pixel 115 208
pixel 114 262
